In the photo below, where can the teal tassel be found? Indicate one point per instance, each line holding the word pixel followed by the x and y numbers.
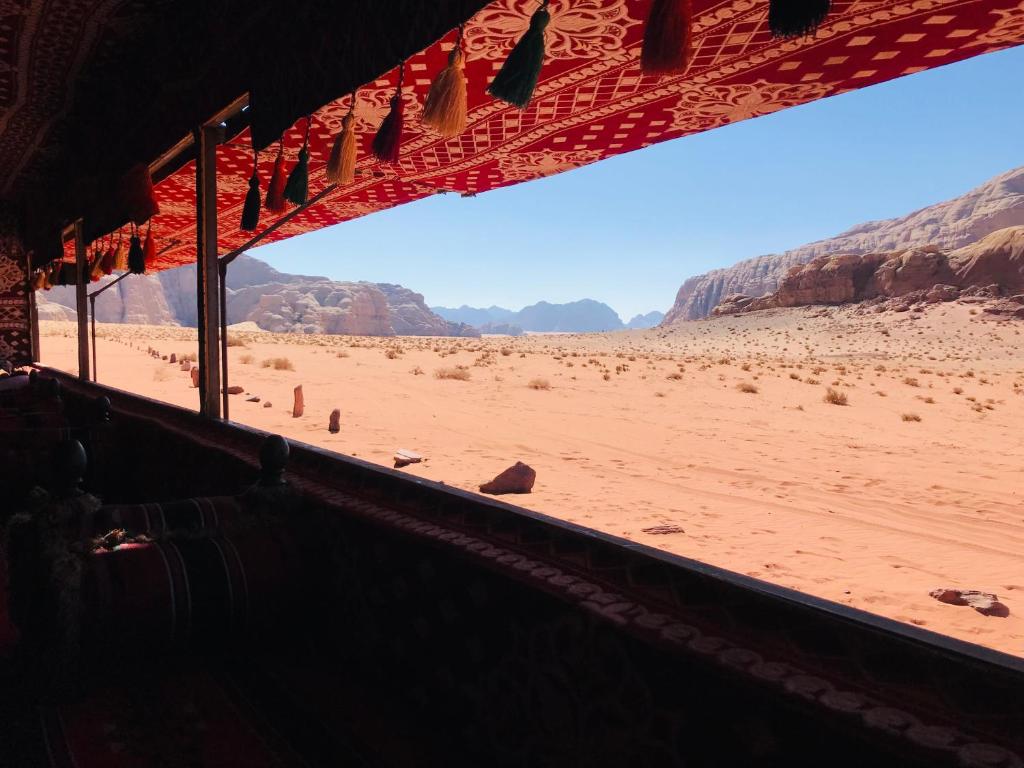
pixel 251 209
pixel 518 76
pixel 297 187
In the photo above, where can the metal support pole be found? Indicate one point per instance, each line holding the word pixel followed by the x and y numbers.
pixel 223 275
pixel 207 272
pixel 81 284
pixel 92 315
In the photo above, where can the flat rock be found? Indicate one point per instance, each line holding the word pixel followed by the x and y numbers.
pixel 235 390
pixel 519 478
pixel 984 603
pixel 663 530
pixel 404 457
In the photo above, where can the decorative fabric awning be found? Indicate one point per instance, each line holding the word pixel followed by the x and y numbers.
pixel 592 101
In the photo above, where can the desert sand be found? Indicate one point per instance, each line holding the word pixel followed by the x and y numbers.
pixel 720 428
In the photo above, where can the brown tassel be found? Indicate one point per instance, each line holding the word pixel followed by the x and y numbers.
pixel 667 37
pixel 120 254
pixel 387 144
pixel 96 266
pixel 275 192
pixel 341 166
pixel 107 262
pixel 445 107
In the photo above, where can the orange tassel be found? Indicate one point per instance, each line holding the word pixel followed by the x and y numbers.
pixel 275 192
pixel 149 248
pixel 446 104
pixel 667 37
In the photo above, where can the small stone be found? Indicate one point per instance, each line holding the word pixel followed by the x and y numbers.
pixel 518 478
pixel 300 406
pixel 404 457
pixel 253 399
pixel 195 376
pixel 334 425
pixel 267 404
pixel 186 365
pixel 235 390
pixel 174 358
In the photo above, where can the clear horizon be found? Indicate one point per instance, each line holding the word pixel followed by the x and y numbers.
pixel 636 226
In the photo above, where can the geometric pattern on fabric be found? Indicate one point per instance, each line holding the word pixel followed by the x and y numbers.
pixel 592 101
pixel 15 330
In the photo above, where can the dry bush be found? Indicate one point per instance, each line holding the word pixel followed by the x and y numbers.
pixel 607 377
pixel 958 390
pixel 190 356
pixel 539 384
pixel 674 376
pixel 747 387
pixel 835 397
pixel 457 373
pixel 417 371
pixel 278 364
pixel 246 359
pixel 391 354
pixel 794 376
pixel 910 381
pixel 234 341
pixel 910 417
pixel 342 353
pixel 505 351
pixel 659 394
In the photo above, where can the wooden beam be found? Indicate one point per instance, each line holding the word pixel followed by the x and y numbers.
pixel 207 272
pixel 81 303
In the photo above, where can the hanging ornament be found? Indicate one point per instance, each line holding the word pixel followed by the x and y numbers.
pixel 297 189
pixel 135 195
pixel 795 18
pixel 667 37
pixel 136 258
pixel 275 191
pixel 341 165
pixel 518 76
pixel 251 209
pixel 107 262
pixel 387 144
pixel 445 107
pixel 149 247
pixel 120 254
pixel 96 266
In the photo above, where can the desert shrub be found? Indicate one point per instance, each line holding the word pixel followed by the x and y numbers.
pixel 674 376
pixel 910 381
pixel 391 354
pixel 234 341
pixel 190 356
pixel 416 371
pixel 747 387
pixel 539 384
pixel 910 417
pixel 246 359
pixel 794 376
pixel 278 364
pixel 835 397
pixel 458 373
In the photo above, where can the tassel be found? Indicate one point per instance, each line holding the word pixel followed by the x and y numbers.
pixel 297 189
pixel 149 248
pixel 518 76
pixel 445 107
pixel 796 18
pixel 136 258
pixel 341 166
pixel 667 43
pixel 107 263
pixel 251 209
pixel 275 192
pixel 96 266
pixel 136 196
pixel 120 254
pixel 387 144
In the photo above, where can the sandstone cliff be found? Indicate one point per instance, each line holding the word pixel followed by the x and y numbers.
pixel 997 204
pixel 993 267
pixel 136 299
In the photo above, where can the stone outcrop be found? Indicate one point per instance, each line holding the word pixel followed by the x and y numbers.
pixel 136 299
pixel 992 268
pixel 519 478
pixel 996 205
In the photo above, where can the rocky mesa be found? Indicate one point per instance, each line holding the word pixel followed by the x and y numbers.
pixel 995 205
pixel 992 268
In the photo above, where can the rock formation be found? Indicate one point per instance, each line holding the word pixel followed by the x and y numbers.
pixel 997 204
pixel 650 320
pixel 136 299
pixel 993 267
pixel 519 478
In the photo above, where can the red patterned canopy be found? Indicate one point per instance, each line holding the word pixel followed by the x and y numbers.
pixel 592 101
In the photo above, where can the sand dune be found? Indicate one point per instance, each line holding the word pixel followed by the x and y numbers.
pixel 861 504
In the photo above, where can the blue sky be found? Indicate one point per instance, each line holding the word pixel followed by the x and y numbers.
pixel 629 230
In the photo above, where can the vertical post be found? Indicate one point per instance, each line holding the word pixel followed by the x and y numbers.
pixel 81 286
pixel 207 273
pixel 33 312
pixel 223 276
pixel 92 319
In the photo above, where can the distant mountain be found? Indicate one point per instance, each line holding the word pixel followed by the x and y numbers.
pixel 650 320
pixel 997 204
pixel 275 301
pixel 584 316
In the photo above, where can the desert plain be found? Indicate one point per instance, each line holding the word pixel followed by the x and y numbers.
pixel 863 458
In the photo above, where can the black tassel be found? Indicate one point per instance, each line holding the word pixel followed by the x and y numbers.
pixel 251 209
pixel 796 18
pixel 136 256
